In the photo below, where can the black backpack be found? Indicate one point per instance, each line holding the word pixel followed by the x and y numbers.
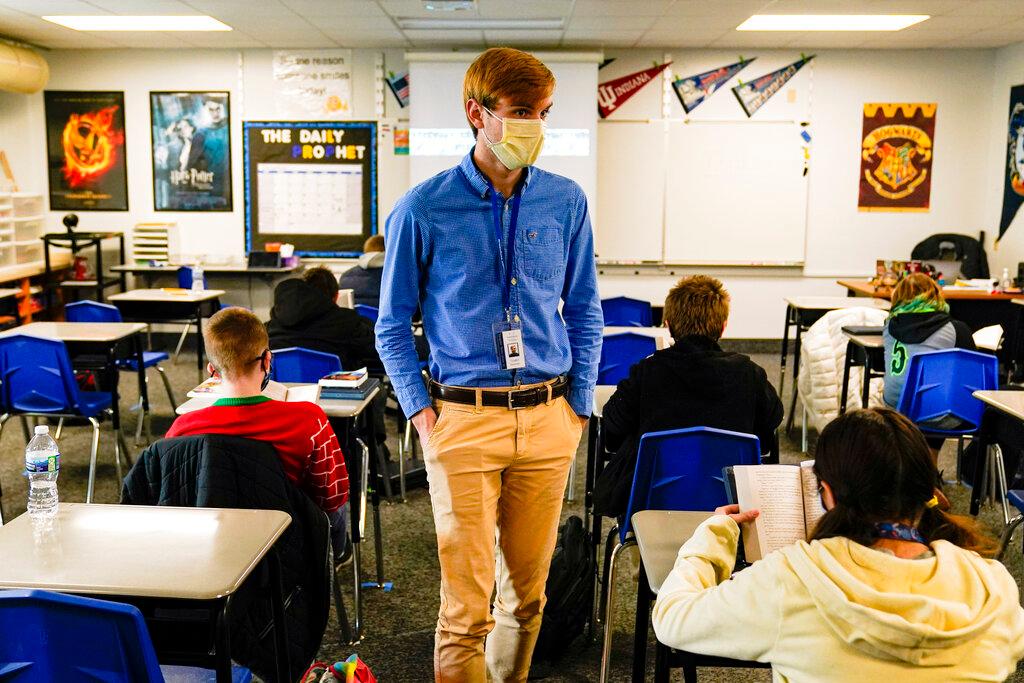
pixel 569 591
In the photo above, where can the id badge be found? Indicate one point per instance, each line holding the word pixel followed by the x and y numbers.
pixel 508 345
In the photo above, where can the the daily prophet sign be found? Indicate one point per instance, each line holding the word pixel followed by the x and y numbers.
pixel 311 184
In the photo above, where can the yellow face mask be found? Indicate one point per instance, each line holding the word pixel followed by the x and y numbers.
pixel 521 141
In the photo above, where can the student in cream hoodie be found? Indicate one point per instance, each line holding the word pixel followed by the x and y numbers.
pixel 890 588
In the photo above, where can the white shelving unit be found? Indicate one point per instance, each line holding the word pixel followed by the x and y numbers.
pixel 22 219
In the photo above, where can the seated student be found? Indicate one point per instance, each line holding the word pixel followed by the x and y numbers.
pixel 693 383
pixel 890 588
pixel 364 278
pixel 918 321
pixel 239 352
pixel 306 314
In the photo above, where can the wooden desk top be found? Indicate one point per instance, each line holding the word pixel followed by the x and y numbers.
pixel 868 341
pixel 137 550
pixel 172 294
pixel 78 332
pixel 602 392
pixel 831 303
pixel 296 392
pixel 1010 402
pixel 864 288
pixel 660 534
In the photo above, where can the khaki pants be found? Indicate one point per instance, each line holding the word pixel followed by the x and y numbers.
pixel 496 482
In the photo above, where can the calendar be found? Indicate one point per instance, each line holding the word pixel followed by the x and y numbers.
pixel 310 199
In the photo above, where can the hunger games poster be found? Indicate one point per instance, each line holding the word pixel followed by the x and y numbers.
pixel 85 150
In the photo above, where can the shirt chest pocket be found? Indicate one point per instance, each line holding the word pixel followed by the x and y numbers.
pixel 543 255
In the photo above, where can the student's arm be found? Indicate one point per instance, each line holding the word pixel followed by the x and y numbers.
pixel 700 609
pixel 399 300
pixel 964 338
pixel 623 412
pixel 769 410
pixel 326 480
pixel 581 311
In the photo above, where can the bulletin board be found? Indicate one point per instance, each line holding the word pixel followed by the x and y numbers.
pixel 311 184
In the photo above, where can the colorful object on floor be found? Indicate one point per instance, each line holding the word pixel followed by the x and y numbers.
pixel 693 90
pixel 353 670
pixel 896 156
pixel 753 95
pixel 613 94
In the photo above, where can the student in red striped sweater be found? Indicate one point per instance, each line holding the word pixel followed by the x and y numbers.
pixel 239 352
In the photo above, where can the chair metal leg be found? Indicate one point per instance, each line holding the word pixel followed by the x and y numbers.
pixel 570 491
pixel 60 428
pixel 1008 534
pixel 609 545
pixel 138 427
pixel 803 429
pixel 26 432
pixel 167 386
pixel 3 421
pixel 118 445
pixel 181 342
pixel 606 649
pixel 92 458
pixel 959 457
pixel 1000 478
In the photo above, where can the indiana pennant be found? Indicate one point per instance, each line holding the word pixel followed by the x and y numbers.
pixel 693 90
pixel 612 94
pixel 1013 171
pixel 754 94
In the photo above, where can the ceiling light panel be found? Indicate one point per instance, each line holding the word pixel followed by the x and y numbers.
pixel 830 22
pixel 110 22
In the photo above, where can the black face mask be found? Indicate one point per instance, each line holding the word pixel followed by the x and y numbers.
pixel 266 375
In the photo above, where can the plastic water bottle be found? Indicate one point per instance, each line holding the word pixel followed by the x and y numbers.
pixel 42 465
pixel 197 278
pixel 1005 283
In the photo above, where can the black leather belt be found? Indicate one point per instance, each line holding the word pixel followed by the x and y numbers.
pixel 515 399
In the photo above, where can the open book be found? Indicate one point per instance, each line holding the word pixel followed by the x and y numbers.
pixel 787 496
pixel 210 388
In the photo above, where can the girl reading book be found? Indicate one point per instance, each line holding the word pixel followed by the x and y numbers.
pixel 889 584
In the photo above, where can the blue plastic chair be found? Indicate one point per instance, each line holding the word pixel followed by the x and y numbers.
pixel 95 312
pixel 368 312
pixel 680 469
pixel 47 636
pixel 938 393
pixel 37 380
pixel 296 364
pixel 621 311
pixel 620 352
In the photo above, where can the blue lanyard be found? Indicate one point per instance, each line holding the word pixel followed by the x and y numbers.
pixel 507 261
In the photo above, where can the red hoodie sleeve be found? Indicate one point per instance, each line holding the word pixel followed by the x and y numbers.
pixel 326 480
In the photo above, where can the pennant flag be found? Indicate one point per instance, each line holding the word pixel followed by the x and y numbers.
pixel 612 94
pixel 399 87
pixel 896 156
pixel 753 95
pixel 693 90
pixel 605 63
pixel 1013 173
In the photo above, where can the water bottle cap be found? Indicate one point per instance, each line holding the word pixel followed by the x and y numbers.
pixel 42 429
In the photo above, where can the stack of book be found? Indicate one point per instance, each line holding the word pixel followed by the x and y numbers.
pixel 347 386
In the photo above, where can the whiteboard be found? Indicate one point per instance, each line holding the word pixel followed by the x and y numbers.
pixel 703 192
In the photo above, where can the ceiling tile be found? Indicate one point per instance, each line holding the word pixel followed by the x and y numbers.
pixel 353 23
pixel 520 9
pixel 771 39
pixel 546 37
pixel 225 10
pixel 415 8
pixel 702 8
pixel 444 37
pixel 989 8
pixel 620 8
pixel 141 7
pixel 327 9
pixel 224 40
pixel 581 24
pixel 700 36
pixel 33 7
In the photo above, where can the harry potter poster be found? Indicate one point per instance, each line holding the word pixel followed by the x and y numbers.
pixel 85 150
pixel 191 151
pixel 896 156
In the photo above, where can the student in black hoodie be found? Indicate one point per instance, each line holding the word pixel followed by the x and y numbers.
pixel 918 321
pixel 693 383
pixel 306 314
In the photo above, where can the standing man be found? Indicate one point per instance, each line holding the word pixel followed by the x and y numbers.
pixel 488 249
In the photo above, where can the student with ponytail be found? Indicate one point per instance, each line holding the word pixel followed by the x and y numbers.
pixel 890 585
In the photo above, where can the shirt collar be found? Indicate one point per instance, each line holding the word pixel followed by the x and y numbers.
pixel 477 180
pixel 241 400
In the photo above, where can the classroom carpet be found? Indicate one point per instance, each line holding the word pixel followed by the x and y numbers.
pixel 399 625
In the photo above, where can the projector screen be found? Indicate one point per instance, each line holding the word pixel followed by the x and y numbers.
pixel 439 135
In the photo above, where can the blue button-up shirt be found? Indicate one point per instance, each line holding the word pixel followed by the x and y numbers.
pixel 442 256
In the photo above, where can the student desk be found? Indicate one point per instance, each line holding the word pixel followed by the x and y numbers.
pixel 343 416
pixel 93 346
pixel 866 351
pixel 171 305
pixel 160 559
pixel 662 337
pixel 265 273
pixel 1009 403
pixel 659 535
pixel 801 313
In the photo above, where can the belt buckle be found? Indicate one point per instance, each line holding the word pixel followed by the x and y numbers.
pixel 511 400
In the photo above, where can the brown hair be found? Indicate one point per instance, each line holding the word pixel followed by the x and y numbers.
pixel 235 339
pixel 918 285
pixel 697 305
pixel 880 469
pixel 506 72
pixel 374 243
pixel 322 279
